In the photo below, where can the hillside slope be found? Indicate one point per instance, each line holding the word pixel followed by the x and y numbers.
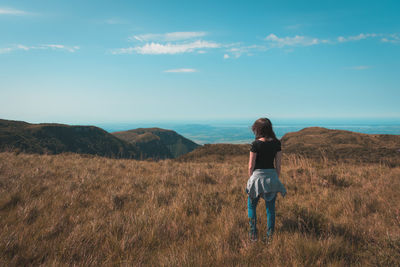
pixel 49 138
pixel 158 143
pixel 316 142
pixel 216 153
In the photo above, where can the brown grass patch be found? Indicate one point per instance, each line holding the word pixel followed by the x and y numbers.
pixel 72 210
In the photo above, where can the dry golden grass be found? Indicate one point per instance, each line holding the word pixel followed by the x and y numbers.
pixel 74 210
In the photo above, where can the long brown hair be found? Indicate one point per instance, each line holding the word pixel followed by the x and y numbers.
pixel 263 128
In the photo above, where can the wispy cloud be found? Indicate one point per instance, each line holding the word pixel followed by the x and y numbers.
pixel 391 38
pixel 358 37
pixel 297 40
pixel 114 21
pixel 293 27
pixel 169 48
pixel 167 37
pixel 5 50
pixel 237 50
pixel 188 42
pixel 385 38
pixel 168 43
pixel 59 47
pixel 181 70
pixel 361 67
pixel 11 11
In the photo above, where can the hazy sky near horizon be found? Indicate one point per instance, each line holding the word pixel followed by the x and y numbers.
pixel 125 61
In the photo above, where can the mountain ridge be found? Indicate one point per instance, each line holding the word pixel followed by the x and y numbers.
pixel 157 143
pixel 316 143
pixel 162 142
pixel 55 138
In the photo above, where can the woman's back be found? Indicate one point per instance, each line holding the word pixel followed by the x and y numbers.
pixel 266 151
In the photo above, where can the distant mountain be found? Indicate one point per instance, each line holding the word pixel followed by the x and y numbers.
pixel 48 138
pixel 316 142
pixel 157 143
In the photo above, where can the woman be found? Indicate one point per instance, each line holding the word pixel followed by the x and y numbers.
pixel 264 170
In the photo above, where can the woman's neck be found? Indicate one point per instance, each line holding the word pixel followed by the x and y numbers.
pixel 265 139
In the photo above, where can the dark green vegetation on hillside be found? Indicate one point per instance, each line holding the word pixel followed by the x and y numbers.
pixel 50 138
pixel 158 142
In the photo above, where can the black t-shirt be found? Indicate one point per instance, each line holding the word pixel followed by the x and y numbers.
pixel 266 152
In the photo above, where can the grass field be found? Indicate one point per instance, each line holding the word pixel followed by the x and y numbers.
pixel 69 209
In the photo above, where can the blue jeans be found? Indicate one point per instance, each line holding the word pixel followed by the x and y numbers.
pixel 270 207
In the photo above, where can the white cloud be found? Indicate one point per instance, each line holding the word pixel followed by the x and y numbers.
pixel 5 50
pixel 238 50
pixel 23 47
pixel 121 51
pixel 181 70
pixel 39 47
pixel 297 40
pixel 361 67
pixel 385 38
pixel 61 47
pixel 185 42
pixel 293 27
pixel 167 37
pixel 169 48
pixel 11 11
pixel 114 21
pixel 358 37
pixel 391 38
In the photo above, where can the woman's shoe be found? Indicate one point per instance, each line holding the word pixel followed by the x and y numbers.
pixel 253 235
pixel 267 239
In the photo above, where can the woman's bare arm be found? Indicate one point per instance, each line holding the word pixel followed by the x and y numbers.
pixel 278 158
pixel 252 162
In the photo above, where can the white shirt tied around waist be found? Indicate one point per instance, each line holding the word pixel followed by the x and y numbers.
pixel 265 183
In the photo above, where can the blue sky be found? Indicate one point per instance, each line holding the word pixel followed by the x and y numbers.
pixel 129 61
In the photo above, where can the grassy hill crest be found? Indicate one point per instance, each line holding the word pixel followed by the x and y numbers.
pixel 156 141
pixel 315 143
pixel 52 138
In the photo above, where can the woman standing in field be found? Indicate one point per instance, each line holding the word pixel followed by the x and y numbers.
pixel 264 170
